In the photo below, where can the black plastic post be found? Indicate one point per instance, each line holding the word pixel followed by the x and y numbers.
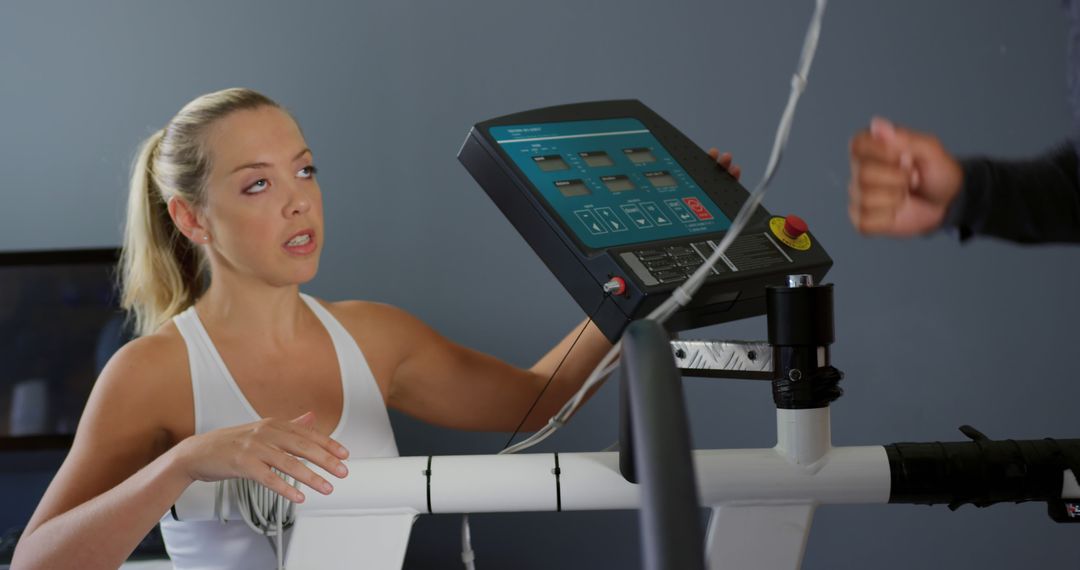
pixel 659 445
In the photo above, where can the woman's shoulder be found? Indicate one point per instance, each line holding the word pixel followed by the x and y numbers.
pixel 151 374
pixel 355 313
pixel 381 325
pixel 162 350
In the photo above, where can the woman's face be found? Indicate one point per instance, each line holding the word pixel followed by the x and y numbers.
pixel 263 206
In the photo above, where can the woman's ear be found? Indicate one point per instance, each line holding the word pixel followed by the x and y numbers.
pixel 187 220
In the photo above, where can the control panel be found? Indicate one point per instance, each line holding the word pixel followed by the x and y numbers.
pixel 610 190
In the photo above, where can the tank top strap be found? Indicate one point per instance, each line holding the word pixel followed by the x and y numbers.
pixel 365 426
pixel 218 401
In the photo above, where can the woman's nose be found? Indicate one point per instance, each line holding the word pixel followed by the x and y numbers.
pixel 299 203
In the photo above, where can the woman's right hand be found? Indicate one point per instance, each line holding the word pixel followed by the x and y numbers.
pixel 249 451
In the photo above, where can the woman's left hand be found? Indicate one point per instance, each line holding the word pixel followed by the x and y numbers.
pixel 724 160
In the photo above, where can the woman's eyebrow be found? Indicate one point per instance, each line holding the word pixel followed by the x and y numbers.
pixel 265 164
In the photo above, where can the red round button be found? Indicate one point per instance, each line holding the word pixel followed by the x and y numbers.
pixel 794 226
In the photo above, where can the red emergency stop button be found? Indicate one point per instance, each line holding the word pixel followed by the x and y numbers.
pixel 791 231
pixel 794 226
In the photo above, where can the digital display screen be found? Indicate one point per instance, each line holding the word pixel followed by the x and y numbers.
pixel 618 183
pixel 642 193
pixel 639 155
pixel 571 188
pixel 660 179
pixel 551 163
pixel 596 159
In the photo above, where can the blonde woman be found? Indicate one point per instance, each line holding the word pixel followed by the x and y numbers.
pixel 235 371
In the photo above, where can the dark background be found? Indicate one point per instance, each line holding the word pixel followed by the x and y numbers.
pixel 931 334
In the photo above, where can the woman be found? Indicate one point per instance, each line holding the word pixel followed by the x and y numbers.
pixel 245 374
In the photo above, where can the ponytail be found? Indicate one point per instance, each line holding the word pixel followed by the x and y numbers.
pixel 162 272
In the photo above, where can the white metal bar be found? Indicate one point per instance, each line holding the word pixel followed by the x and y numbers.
pixel 804 437
pixel 587 481
pixel 370 542
pixel 758 537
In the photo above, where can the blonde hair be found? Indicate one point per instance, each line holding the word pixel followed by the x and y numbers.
pixel 161 272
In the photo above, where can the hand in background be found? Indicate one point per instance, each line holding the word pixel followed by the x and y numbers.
pixel 724 160
pixel 902 181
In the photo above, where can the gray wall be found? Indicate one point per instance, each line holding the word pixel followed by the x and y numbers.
pixel 931 334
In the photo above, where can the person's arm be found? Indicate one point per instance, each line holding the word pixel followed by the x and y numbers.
pixel 116 481
pixel 1026 201
pixel 905 183
pixel 123 472
pixel 440 382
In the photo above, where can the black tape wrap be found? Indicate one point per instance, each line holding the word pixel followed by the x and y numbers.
pixel 817 390
pixel 800 321
pixel 982 472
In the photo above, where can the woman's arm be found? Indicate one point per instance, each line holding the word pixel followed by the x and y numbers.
pixel 433 379
pixel 117 480
pixel 443 383
pixel 123 472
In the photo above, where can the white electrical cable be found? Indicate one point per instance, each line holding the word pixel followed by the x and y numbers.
pixel 264 511
pixel 467 554
pixel 681 296
pixel 685 293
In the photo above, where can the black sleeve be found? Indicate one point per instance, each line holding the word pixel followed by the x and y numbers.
pixel 1029 201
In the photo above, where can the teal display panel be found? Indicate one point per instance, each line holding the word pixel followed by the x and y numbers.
pixel 610 181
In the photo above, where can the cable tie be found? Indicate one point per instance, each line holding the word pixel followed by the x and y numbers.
pixel 798 82
pixel 680 297
pixel 556 422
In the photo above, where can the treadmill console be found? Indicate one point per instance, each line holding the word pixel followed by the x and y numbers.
pixel 609 189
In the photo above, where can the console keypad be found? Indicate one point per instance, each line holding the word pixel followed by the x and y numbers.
pixel 675 263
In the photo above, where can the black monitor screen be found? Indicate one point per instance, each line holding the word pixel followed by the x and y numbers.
pixel 60 323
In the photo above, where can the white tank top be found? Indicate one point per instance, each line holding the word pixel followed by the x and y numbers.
pixel 364 429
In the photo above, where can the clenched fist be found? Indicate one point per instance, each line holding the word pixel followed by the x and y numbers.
pixel 902 181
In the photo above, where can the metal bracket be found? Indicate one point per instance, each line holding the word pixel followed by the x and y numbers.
pixel 744 360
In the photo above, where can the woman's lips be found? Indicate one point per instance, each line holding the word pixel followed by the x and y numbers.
pixel 303 248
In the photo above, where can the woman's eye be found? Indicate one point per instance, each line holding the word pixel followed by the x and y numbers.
pixel 307 172
pixel 259 185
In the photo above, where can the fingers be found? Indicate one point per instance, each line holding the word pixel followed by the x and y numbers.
pixel 281 445
pixel 872 176
pixel 916 151
pixel 882 177
pixel 870 221
pixel 293 467
pixel 323 440
pixel 865 146
pixel 724 160
pixel 260 472
pixel 305 425
pixel 914 142
pixel 307 445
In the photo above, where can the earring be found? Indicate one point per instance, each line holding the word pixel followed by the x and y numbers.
pixel 206 237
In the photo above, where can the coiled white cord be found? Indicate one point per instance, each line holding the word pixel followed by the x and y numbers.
pixel 264 511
